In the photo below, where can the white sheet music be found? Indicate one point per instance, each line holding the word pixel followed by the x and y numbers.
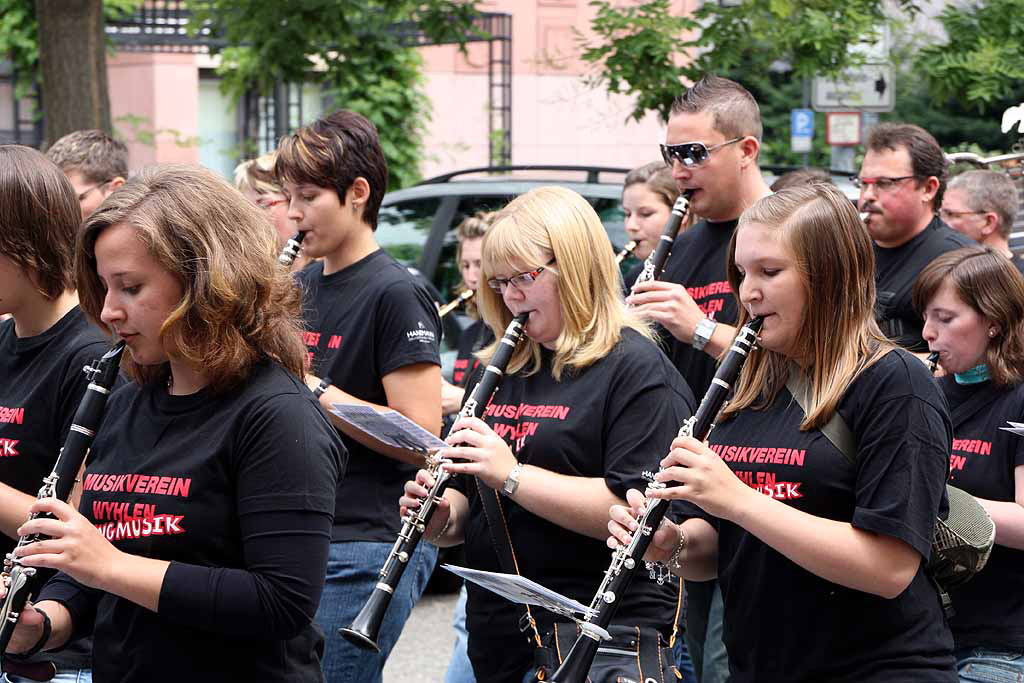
pixel 1014 428
pixel 522 591
pixel 390 427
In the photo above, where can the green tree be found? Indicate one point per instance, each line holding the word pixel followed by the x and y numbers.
pixel 981 63
pixel 645 51
pixel 353 48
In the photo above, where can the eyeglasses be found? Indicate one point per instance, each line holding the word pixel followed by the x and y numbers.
pixel 882 184
pixel 266 203
pixel 520 280
pixel 85 193
pixel 946 214
pixel 691 154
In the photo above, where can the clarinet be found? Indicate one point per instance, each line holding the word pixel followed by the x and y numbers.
pixel 365 627
pixel 291 249
pixel 455 303
pixel 23 583
pixel 932 361
pixel 627 250
pixel 626 559
pixel 655 263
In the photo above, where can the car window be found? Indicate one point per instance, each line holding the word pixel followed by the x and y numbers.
pixel 403 229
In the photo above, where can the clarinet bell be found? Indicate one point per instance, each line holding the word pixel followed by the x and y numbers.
pixel 365 628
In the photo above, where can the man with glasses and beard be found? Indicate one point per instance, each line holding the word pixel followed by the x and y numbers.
pixel 902 181
pixel 712 144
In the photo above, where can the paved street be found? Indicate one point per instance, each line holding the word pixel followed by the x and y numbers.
pixel 423 651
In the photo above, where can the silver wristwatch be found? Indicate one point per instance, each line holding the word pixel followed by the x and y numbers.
pixel 702 335
pixel 512 482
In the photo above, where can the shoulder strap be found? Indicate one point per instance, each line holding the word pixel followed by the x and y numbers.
pixel 835 430
pixel 975 403
pixel 502 541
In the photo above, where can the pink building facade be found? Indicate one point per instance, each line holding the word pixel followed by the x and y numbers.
pixel 169 107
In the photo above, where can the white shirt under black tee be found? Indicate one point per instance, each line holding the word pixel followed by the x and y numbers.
pixel 364 322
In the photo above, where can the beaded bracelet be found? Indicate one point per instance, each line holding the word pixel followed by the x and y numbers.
pixel 439 534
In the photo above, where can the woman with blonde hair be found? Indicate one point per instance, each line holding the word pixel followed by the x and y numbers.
pixel 255 179
pixel 201 543
pixel 585 403
pixel 972 302
pixel 815 497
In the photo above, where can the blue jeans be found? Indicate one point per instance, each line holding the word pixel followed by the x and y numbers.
pixel 460 670
pixel 352 572
pixel 990 665
pixel 682 660
pixel 63 676
pixel 704 611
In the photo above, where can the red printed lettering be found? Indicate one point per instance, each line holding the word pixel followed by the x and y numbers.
pixel 7 448
pixel 12 415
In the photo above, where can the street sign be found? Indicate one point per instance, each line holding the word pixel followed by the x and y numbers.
pixel 842 128
pixel 864 88
pixel 801 129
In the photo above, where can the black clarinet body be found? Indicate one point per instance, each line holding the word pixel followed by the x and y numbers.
pixel 932 361
pixel 365 628
pixel 291 250
pixel 627 559
pixel 655 263
pixel 23 583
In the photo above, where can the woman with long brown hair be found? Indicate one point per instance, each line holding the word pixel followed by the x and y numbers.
pixel 201 543
pixel 972 302
pixel 818 539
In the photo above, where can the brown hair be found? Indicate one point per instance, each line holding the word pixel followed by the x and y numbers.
pixel 238 305
pixel 733 109
pixel 39 215
pixel 801 177
pixel 471 227
pixel 926 157
pixel 839 335
pixel 986 281
pixel 657 177
pixel 556 223
pixel 97 156
pixel 990 191
pixel 333 152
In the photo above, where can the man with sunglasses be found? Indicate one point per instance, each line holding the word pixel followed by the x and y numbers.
pixel 902 181
pixel 712 144
pixel 95 163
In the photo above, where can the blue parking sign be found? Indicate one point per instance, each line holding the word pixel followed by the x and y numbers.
pixel 801 129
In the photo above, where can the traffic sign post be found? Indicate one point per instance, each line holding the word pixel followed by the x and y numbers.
pixel 864 88
pixel 801 129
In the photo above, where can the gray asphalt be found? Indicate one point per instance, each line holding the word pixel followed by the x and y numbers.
pixel 425 646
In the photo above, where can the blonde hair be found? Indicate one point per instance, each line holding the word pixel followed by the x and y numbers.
pixel 839 335
pixel 556 223
pixel 258 175
pixel 238 305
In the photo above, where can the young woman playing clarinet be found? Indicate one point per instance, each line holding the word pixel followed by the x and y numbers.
pixel 972 301
pixel 586 400
pixel 648 193
pixel 817 539
pixel 43 347
pixel 201 543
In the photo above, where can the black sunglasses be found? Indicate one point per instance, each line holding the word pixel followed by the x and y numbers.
pixel 691 154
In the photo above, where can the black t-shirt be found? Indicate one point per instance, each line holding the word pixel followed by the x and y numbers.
pixel 475 337
pixel 698 262
pixel 365 322
pixel 41 385
pixel 202 481
pixel 783 623
pixel 989 607
pixel 614 420
pixel 896 271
